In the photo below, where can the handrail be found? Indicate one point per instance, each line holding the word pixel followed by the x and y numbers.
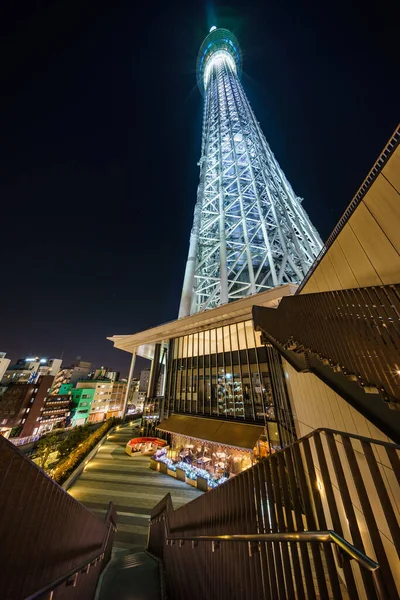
pixel 293 536
pixel 355 436
pixel 361 192
pixel 84 565
pixel 324 537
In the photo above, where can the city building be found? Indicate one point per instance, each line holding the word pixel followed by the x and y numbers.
pixel 250 231
pixel 101 397
pixel 4 363
pixel 76 372
pixel 55 413
pixel 118 394
pixel 21 406
pixel 136 399
pixel 28 370
pixel 81 403
pixel 144 379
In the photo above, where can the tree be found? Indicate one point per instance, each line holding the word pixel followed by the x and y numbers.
pixel 45 446
pixel 73 439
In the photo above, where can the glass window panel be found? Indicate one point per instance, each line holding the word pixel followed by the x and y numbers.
pixel 206 342
pixel 189 387
pixel 241 336
pixel 267 392
pixel 220 345
pixel 207 391
pixel 185 345
pixel 194 394
pixel 227 340
pixel 238 392
pixel 196 344
pixel 190 346
pixel 221 390
pixel 180 351
pixel 201 343
pixel 273 434
pixel 214 391
pixel 200 391
pixel 258 394
pixel 247 392
pixel 234 338
pixel 213 341
pixel 178 383
pixel 183 390
pixel 250 334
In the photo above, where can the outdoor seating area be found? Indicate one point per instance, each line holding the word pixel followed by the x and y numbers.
pixel 144 445
pixel 201 463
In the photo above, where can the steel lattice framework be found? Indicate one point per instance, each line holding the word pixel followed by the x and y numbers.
pixel 250 231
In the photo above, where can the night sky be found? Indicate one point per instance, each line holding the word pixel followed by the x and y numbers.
pixel 100 127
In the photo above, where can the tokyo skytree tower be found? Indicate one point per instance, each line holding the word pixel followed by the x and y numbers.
pixel 250 232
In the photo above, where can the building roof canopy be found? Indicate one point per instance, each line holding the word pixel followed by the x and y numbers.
pixel 238 435
pixel 232 312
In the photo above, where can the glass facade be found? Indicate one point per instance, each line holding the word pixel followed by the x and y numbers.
pixel 226 372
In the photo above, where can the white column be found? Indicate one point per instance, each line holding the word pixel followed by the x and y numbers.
pixel 128 386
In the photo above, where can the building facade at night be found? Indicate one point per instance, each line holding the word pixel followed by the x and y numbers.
pixel 274 344
pixel 317 364
pixel 277 390
pixel 4 364
pixel 250 232
pixel 216 364
pixel 76 372
pixel 28 370
pixel 21 406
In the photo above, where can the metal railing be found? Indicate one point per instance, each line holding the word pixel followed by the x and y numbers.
pixel 327 484
pixel 47 537
pixel 355 331
pixel 361 192
pixel 71 577
pixel 344 550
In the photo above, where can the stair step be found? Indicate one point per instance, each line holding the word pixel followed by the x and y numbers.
pixel 131 575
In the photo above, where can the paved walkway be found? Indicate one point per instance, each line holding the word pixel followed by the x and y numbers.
pixel 131 485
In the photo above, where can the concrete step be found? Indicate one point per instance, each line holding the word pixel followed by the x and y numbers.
pixel 130 575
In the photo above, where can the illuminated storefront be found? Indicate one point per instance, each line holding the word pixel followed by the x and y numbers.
pixel 226 373
pixel 224 404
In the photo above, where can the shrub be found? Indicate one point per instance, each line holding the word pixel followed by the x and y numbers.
pixel 69 464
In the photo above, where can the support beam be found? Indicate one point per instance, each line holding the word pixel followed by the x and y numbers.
pixel 128 386
pixel 154 372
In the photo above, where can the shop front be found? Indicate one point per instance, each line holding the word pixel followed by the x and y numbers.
pixel 206 452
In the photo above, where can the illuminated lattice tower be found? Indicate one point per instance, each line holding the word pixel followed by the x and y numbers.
pixel 250 232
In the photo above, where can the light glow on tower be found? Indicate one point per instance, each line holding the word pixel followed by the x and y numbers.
pixel 250 232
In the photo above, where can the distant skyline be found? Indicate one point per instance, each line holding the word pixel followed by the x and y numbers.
pixel 101 128
pixel 141 363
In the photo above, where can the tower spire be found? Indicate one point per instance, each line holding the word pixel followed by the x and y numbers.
pixel 250 231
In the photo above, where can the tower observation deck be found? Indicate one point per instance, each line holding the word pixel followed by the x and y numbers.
pixel 250 232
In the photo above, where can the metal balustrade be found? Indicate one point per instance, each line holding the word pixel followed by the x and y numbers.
pixel 267 529
pixel 355 332
pixel 51 545
pixel 358 198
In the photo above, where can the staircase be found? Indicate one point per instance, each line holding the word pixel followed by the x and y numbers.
pixel 350 339
pixel 319 519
